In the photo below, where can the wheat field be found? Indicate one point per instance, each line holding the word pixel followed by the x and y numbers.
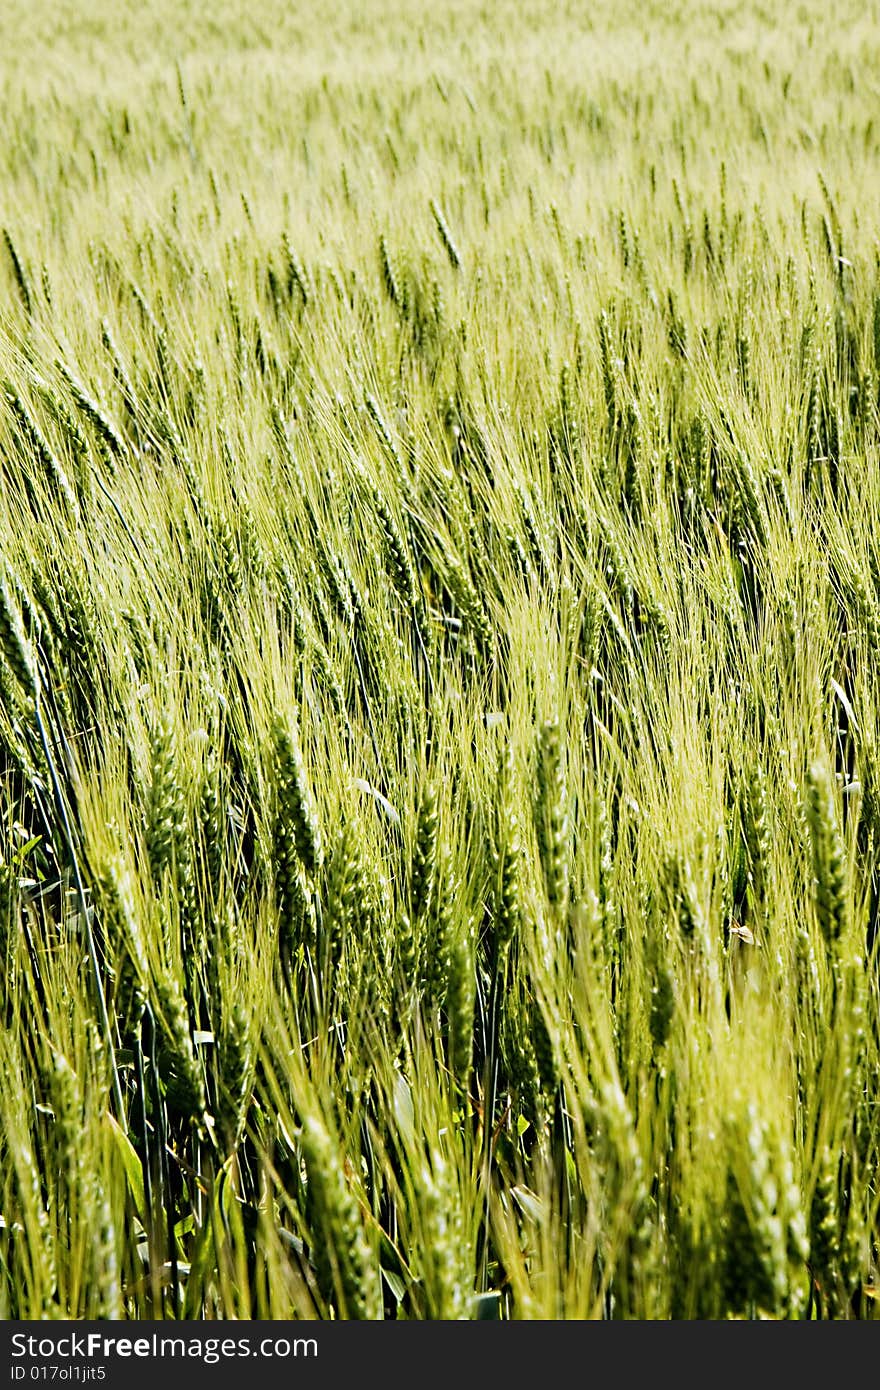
pixel 439 623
